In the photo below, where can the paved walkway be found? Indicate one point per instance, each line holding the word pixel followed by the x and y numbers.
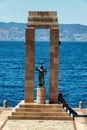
pixel 80 122
pixel 38 125
pixel 3 116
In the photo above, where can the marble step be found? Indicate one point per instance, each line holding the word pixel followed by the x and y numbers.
pixel 40 110
pixel 21 117
pixel 40 114
pixel 40 106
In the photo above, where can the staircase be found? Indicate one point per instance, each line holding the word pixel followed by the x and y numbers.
pixel 40 112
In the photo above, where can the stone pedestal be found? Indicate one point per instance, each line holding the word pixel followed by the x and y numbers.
pixel 5 104
pixel 41 95
pixel 81 104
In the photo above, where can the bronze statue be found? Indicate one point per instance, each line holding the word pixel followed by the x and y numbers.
pixel 41 75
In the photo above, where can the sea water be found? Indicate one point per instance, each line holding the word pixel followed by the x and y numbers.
pixel 72 71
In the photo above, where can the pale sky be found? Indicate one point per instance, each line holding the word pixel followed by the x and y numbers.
pixel 69 11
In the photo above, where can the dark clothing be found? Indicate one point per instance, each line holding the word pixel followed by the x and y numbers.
pixel 41 71
pixel 61 100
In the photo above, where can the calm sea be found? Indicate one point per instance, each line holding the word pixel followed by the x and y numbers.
pixel 72 71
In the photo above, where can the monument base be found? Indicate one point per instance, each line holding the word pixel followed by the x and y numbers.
pixel 41 95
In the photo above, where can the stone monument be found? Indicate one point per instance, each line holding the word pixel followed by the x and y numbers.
pixel 37 20
pixel 29 109
pixel 41 91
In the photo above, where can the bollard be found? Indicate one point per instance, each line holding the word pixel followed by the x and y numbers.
pixel 5 103
pixel 81 104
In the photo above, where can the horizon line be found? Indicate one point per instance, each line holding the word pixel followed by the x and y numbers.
pixel 26 22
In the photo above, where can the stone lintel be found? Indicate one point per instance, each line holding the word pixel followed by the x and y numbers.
pixel 43 13
pixel 42 19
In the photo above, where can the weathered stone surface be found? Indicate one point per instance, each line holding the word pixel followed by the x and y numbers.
pixel 41 95
pixel 29 67
pixel 42 19
pixel 40 111
pixel 54 65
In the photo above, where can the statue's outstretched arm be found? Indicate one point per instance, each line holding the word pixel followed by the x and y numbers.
pixel 37 69
pixel 45 70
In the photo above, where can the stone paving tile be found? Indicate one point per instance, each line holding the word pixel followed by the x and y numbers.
pixel 80 122
pixel 85 113
pixel 38 125
pixel 3 117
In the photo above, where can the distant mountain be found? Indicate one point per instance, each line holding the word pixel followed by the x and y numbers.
pixel 68 32
pixel 12 31
pixel 73 32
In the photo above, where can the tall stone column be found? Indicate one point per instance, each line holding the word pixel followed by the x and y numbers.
pixel 54 41
pixel 29 65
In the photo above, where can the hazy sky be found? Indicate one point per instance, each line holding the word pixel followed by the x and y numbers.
pixel 69 11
